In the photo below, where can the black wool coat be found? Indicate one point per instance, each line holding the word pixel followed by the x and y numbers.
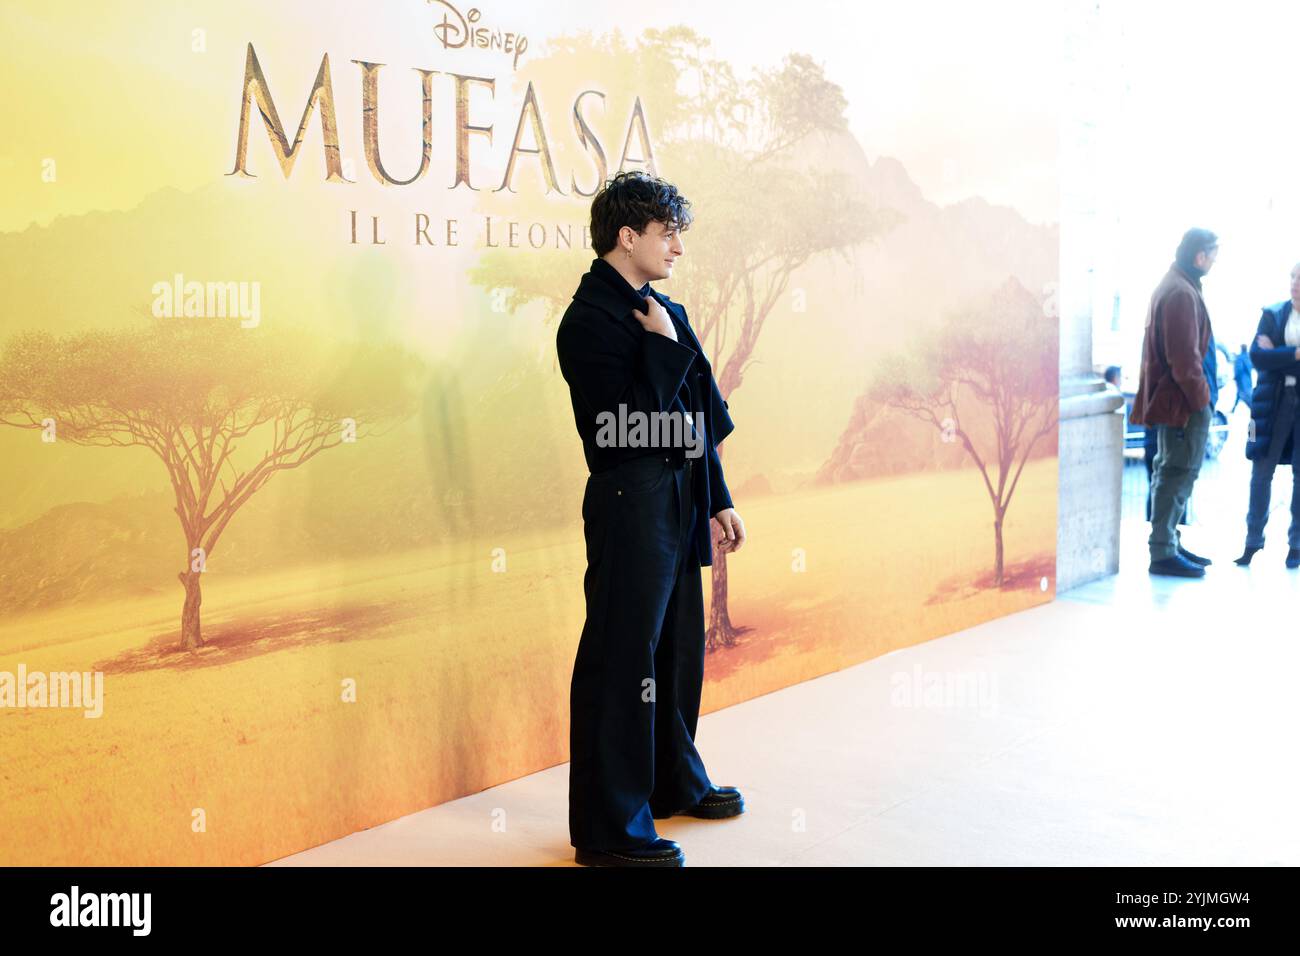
pixel 608 358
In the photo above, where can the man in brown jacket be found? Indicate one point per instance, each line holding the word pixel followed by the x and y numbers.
pixel 1173 397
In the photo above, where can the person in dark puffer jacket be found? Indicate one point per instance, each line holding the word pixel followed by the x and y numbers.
pixel 1274 423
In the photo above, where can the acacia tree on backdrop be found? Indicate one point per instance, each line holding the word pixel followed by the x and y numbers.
pixel 999 363
pixel 751 149
pixel 222 407
pixel 746 153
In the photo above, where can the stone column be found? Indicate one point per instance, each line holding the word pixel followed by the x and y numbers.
pixel 1091 415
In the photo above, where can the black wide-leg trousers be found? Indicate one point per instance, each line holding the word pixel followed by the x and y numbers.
pixel 639 670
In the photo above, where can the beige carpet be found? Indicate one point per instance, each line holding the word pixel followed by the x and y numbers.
pixel 1134 721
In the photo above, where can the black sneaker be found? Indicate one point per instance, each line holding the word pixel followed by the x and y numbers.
pixel 1194 558
pixel 1178 566
pixel 658 852
pixel 1293 558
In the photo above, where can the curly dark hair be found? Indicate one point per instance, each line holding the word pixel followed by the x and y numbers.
pixel 634 198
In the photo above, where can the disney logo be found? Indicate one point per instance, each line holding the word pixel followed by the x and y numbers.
pixel 462 31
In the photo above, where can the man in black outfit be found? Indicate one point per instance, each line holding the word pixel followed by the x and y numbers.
pixel 650 416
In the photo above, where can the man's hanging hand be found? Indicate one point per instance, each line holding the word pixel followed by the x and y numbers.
pixel 731 530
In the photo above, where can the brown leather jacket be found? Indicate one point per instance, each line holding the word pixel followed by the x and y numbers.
pixel 1171 384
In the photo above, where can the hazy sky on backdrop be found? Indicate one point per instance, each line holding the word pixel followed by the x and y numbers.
pixel 1194 122
pixel 946 87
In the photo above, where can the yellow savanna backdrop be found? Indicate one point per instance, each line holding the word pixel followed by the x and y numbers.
pixel 288 458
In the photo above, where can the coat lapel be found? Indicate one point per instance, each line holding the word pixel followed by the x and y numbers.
pixel 720 423
pixel 677 312
pixel 594 291
pixel 1278 314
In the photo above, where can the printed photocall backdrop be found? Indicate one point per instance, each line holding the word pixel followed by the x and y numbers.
pixel 290 542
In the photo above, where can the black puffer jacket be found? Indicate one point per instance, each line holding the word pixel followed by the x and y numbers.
pixel 1274 366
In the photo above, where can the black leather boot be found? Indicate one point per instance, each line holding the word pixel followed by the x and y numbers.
pixel 1246 555
pixel 660 852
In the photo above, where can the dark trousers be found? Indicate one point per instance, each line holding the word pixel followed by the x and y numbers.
pixel 1149 458
pixel 1286 424
pixel 1179 454
pixel 639 670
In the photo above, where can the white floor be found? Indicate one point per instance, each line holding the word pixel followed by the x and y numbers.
pixel 1134 721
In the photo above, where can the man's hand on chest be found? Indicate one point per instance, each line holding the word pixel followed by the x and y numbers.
pixel 655 318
